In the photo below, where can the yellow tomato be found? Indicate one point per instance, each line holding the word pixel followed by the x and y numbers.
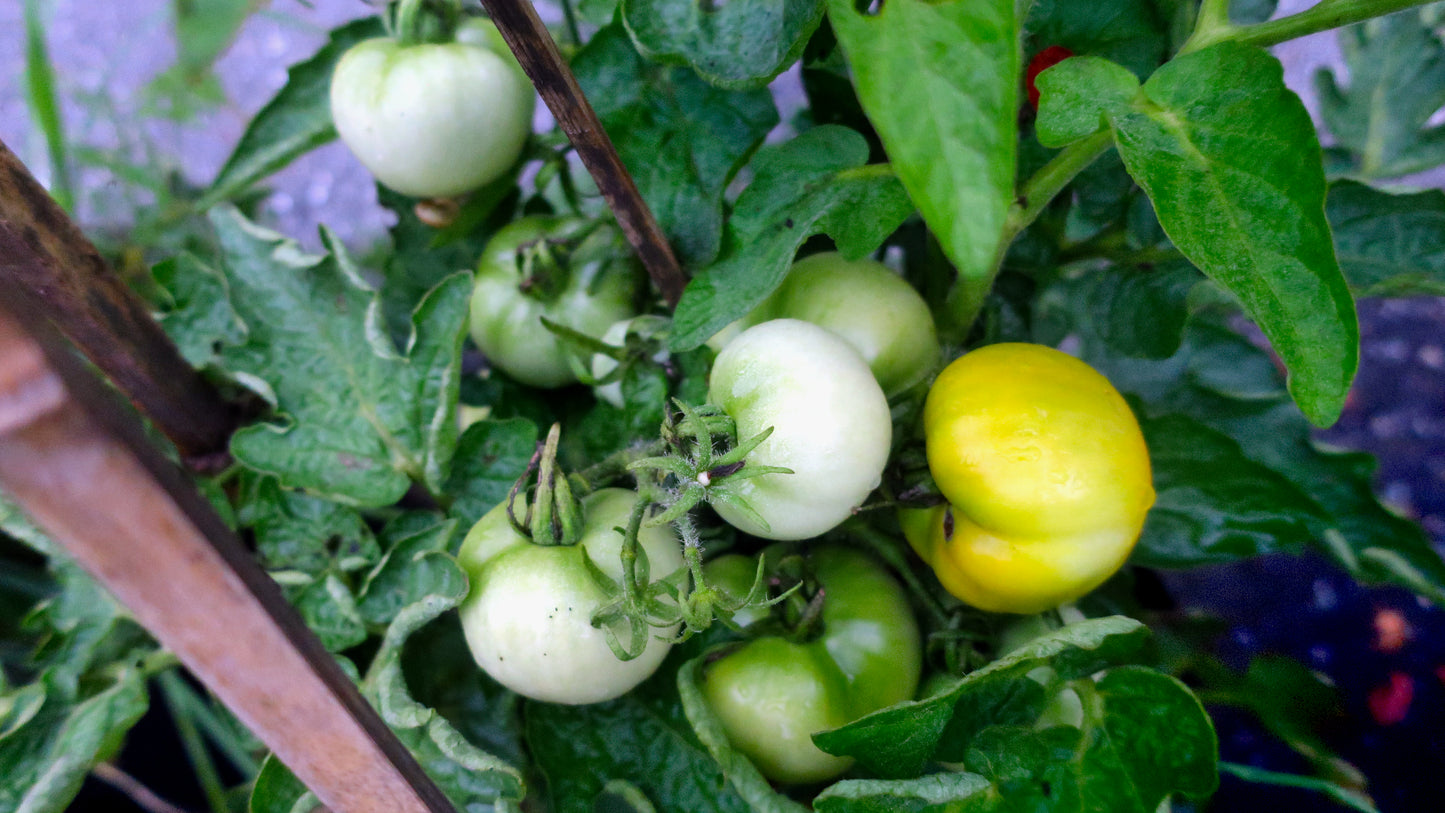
pixel 1046 472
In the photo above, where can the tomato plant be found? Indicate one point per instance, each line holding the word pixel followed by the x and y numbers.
pixel 433 120
pixel 999 321
pixel 773 692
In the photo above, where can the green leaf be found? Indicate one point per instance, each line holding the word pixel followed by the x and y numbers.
pixel 1152 732
pixel 44 761
pixel 416 565
pixel 468 775
pixel 1396 69
pixel 940 83
pixel 1230 160
pixel 1389 245
pixel 1078 96
pixel 1133 33
pixel 200 319
pixel 14 522
pixel 277 790
pixel 360 420
pixel 935 792
pixel 681 138
pixel 419 260
pixel 641 738
pixel 490 457
pixel 815 183
pixel 295 121
pixel 302 533
pixel 1221 380
pixel 329 609
pixel 1134 312
pixel 1214 503
pixel 741 44
pixel 899 741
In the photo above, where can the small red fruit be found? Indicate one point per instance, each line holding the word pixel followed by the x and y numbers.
pixel 1042 61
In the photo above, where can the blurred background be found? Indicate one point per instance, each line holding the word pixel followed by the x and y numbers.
pixel 147 114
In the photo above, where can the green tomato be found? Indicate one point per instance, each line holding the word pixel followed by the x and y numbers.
pixel 873 309
pixel 830 423
pixel 772 694
pixel 581 277
pixel 528 614
pixel 433 120
pixel 645 327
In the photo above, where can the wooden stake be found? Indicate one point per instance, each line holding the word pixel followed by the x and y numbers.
pixel 43 251
pixel 76 461
pixel 529 40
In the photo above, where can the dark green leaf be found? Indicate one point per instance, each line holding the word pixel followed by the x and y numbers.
pixel 682 139
pixel 940 82
pixel 44 760
pixel 1153 734
pixel 468 775
pixel 815 183
pixel 1132 33
pixel 1396 69
pixel 329 609
pixel 1134 312
pixel 200 320
pixel 1230 160
pixel 277 790
pixel 302 533
pixel 361 420
pixel 490 457
pixel 296 121
pixel 1223 381
pixel 418 262
pixel 1389 245
pixel 898 742
pixel 1214 503
pixel 739 44
pixel 415 566
pixel 642 738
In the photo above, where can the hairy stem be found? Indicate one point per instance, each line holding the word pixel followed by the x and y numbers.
pixel 1324 16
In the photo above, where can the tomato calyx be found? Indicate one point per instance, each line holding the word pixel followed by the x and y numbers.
pixel 695 434
pixel 425 21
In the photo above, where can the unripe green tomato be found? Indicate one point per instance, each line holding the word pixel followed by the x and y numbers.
pixel 616 335
pixel 528 613
pixel 598 287
pixel 830 422
pixel 772 695
pixel 873 309
pixel 433 120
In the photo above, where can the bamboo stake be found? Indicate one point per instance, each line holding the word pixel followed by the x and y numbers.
pixel 76 460
pixel 529 40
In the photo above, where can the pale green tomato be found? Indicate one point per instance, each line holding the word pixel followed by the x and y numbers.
pixel 645 325
pixel 875 310
pixel 598 286
pixel 830 423
pixel 433 120
pixel 528 614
